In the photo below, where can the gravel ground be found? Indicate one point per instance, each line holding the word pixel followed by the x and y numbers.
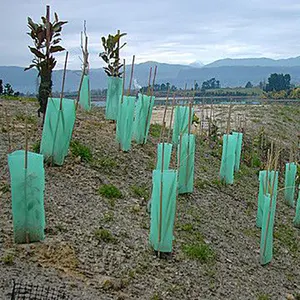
pixel 222 218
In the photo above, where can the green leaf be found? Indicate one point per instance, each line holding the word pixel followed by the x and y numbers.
pixel 56 17
pixel 33 25
pixel 30 67
pixel 56 41
pixel 37 52
pixel 54 49
pixel 58 26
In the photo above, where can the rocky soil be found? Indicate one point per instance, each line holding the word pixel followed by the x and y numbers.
pixel 97 248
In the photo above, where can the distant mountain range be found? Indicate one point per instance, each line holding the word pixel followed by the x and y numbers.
pixel 230 72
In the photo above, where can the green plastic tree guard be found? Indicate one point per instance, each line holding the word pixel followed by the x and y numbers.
pixel 143 114
pixel 163 216
pixel 113 97
pixel 125 122
pixel 263 190
pixel 181 120
pixel 27 191
pixel 57 130
pixel 238 150
pixel 186 168
pixel 167 155
pixel 289 183
pixel 297 216
pixel 266 242
pixel 228 158
pixel 85 96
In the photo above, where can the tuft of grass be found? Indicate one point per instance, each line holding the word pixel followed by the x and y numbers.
pixel 36 147
pixel 107 163
pixel 8 259
pixel 156 296
pixel 22 118
pixel 140 191
pixel 287 237
pixel 110 191
pixel 108 217
pixel 155 130
pixel 186 227
pixel 199 251
pixel 82 151
pixel 200 184
pixel 104 235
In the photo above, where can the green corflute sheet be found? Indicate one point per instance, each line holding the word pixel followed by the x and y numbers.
pixel 125 122
pixel 143 114
pixel 228 158
pixel 162 220
pixel 186 150
pixel 289 183
pixel 181 122
pixel 85 95
pixel 167 155
pixel 238 150
pixel 57 130
pixel 113 97
pixel 27 191
pixel 297 216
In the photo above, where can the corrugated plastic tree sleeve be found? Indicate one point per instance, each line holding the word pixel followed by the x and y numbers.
pixel 186 169
pixel 262 191
pixel 163 229
pixel 167 155
pixel 297 216
pixel 289 184
pixel 181 120
pixel 27 190
pixel 266 243
pixel 238 150
pixel 57 130
pixel 143 114
pixel 125 122
pixel 228 158
pixel 113 97
pixel 85 96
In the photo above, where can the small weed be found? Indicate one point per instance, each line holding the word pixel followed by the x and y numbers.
pixel 199 251
pixel 36 147
pixel 155 130
pixel 22 118
pixel 140 191
pixel 106 163
pixel 4 188
pixel 217 182
pixel 109 191
pixel 286 235
pixel 104 235
pixel 156 296
pixel 186 227
pixel 200 184
pixel 8 259
pixel 108 217
pixel 80 150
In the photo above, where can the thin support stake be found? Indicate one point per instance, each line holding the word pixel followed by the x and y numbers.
pixel 171 119
pixel 131 75
pixel 164 117
pixel 63 81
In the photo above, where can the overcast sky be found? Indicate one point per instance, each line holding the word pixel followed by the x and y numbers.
pixel 170 31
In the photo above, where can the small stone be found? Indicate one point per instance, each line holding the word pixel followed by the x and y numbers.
pixel 290 297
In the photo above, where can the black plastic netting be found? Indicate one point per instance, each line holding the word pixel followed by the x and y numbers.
pixel 23 290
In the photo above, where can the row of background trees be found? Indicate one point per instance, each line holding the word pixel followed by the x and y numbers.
pixel 7 89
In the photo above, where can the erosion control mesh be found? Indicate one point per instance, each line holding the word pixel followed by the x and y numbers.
pixel 22 290
pixel 163 206
pixel 57 130
pixel 167 155
pixel 125 122
pixel 143 114
pixel 113 98
pixel 27 190
pixel 85 96
pixel 186 153
pixel 289 183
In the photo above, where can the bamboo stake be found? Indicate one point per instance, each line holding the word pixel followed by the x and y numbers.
pixel 149 81
pixel 131 75
pixel 164 116
pixel 150 102
pixel 228 120
pixel 8 129
pixel 63 81
pixel 171 119
pixel 27 237
pixel 123 88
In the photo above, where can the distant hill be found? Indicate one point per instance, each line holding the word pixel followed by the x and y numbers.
pixel 230 72
pixel 256 62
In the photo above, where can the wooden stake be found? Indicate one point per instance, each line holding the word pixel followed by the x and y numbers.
pixel 164 117
pixel 123 88
pixel 171 119
pixel 149 82
pixel 8 129
pixel 63 81
pixel 228 120
pixel 131 75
